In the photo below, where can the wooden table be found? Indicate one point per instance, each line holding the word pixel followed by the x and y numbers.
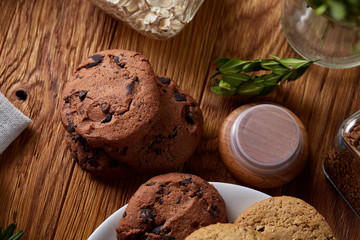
pixel 41 43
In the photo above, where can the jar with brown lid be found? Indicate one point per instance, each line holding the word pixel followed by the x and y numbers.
pixel 263 145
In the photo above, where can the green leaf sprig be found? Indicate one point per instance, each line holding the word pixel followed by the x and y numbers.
pixel 8 233
pixel 236 81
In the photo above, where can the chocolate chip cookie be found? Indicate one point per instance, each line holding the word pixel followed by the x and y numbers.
pixel 171 206
pixel 96 160
pixel 111 99
pixel 173 139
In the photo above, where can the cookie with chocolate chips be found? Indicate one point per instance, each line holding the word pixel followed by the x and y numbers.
pixel 173 139
pixel 96 160
pixel 171 206
pixel 111 98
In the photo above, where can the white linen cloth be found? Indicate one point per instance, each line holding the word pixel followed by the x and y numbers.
pixel 12 123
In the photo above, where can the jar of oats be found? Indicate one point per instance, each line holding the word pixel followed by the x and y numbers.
pixel 342 164
pixel 158 19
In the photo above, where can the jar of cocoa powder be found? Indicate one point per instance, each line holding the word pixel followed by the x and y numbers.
pixel 263 145
pixel 342 165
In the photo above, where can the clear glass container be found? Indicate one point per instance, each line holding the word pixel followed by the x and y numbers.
pixel 158 19
pixel 319 37
pixel 342 166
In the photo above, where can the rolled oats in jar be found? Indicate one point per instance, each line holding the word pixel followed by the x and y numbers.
pixel 158 19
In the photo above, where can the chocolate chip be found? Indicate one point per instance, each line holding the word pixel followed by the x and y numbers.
pixel 97 60
pixel 199 194
pixel 105 107
pixel 21 95
pixel 185 182
pixel 91 162
pixel 107 118
pixel 160 200
pixel 179 97
pixel 71 127
pixel 123 55
pixel 150 184
pixel 67 99
pixel 80 139
pixel 214 210
pixel 82 95
pixel 157 230
pixel 117 61
pixel 174 133
pixel 261 229
pixel 188 115
pixel 124 215
pixel 178 200
pixel 161 189
pixel 158 151
pixel 136 79
pixel 164 80
pixel 130 87
pixel 146 214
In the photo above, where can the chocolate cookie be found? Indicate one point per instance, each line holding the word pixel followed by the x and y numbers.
pixel 286 218
pixel 96 160
pixel 171 206
pixel 111 99
pixel 173 139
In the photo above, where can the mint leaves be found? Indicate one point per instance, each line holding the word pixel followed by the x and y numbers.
pixel 236 80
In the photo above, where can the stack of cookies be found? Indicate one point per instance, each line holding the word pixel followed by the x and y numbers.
pixel 122 119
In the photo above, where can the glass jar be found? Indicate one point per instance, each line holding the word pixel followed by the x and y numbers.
pixel 158 19
pixel 320 37
pixel 342 165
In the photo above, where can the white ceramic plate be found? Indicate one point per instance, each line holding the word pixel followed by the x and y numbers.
pixel 237 199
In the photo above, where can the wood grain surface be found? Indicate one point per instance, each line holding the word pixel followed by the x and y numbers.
pixel 41 43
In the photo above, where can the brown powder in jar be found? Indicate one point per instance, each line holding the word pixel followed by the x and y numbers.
pixel 344 171
pixel 353 136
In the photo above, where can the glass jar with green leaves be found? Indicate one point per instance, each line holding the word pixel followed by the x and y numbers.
pixel 327 30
